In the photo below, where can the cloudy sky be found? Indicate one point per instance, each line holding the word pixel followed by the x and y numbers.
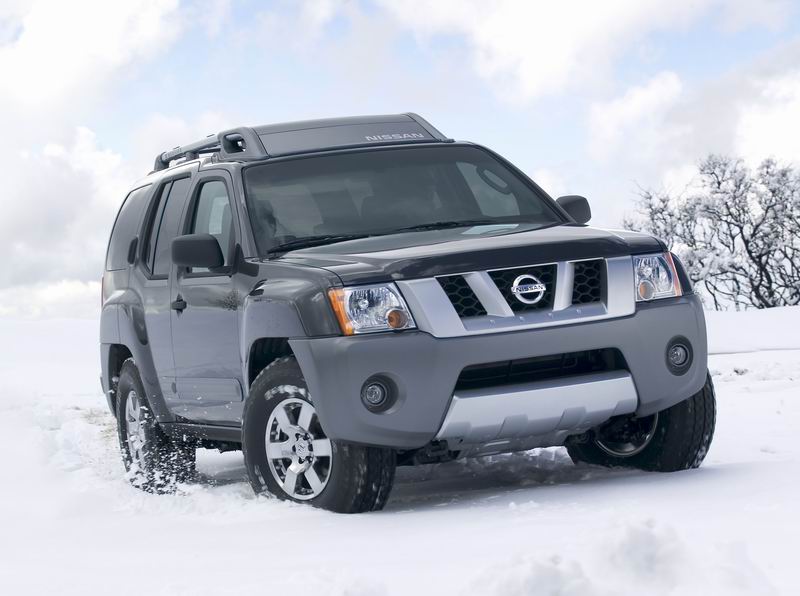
pixel 593 98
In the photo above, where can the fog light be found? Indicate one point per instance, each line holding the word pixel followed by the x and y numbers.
pixel 679 355
pixel 379 394
pixel 375 394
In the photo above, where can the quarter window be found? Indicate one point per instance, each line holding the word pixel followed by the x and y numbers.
pixel 125 229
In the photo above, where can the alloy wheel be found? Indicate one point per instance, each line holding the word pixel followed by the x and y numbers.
pixel 628 437
pixel 298 452
pixel 134 427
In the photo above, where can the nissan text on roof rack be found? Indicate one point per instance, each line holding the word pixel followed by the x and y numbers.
pixel 340 297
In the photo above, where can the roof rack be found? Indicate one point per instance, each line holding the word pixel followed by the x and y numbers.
pixel 243 143
pixel 236 143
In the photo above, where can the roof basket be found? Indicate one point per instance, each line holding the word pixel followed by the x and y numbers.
pixel 236 143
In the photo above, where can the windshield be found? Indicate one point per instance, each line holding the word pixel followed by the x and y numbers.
pixel 335 197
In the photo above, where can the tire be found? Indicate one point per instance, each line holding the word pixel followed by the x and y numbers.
pixel 339 477
pixel 155 463
pixel 679 438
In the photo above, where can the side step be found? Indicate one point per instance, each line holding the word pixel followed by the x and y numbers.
pixel 228 434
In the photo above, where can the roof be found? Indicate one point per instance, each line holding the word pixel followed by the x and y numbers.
pixel 273 140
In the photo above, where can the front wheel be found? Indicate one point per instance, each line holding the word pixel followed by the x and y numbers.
pixel 288 454
pixel 677 438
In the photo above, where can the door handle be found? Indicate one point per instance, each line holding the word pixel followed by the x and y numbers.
pixel 179 304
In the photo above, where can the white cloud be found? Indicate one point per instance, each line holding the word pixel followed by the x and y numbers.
pixel 532 49
pixel 635 122
pixel 657 132
pixel 300 25
pixel 58 206
pixel 66 50
pixel 213 15
pixel 63 299
pixel 58 60
pixel 739 14
pixel 550 181
pixel 315 14
pixel 768 124
pixel 748 112
pixel 61 187
pixel 160 132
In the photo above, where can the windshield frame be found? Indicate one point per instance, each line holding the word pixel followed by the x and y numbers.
pixel 550 205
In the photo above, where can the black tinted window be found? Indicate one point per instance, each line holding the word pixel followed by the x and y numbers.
pixel 382 191
pixel 125 229
pixel 168 229
pixel 212 215
pixel 154 223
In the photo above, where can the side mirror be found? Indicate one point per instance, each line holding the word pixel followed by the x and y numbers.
pixel 197 250
pixel 577 208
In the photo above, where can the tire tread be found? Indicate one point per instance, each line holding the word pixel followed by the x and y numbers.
pixel 682 438
pixel 368 479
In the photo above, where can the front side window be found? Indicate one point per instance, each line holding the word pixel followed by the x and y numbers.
pixel 381 192
pixel 212 215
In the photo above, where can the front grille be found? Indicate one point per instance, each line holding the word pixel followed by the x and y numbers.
pixel 588 285
pixel 526 370
pixel 546 274
pixel 461 295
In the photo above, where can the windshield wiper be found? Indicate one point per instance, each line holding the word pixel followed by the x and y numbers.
pixel 442 225
pixel 308 241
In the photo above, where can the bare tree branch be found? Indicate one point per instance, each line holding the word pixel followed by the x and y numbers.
pixel 739 236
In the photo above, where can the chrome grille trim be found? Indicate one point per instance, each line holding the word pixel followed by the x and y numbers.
pixel 435 314
pixel 485 289
pixel 565 275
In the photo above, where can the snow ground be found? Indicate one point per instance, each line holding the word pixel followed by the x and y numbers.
pixel 508 525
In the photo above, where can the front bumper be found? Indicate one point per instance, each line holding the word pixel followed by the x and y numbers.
pixel 425 370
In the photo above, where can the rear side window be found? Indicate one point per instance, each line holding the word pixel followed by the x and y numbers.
pixel 170 217
pixel 153 225
pixel 126 227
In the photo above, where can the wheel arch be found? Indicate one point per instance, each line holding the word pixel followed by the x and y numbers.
pixel 133 336
pixel 264 351
pixel 116 356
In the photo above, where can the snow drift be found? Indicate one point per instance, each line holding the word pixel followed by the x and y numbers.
pixel 530 523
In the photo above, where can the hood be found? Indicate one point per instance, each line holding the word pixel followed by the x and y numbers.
pixel 441 252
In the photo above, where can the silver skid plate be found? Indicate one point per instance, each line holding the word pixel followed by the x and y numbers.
pixel 566 405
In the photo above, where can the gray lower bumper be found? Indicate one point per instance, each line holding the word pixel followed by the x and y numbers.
pixel 425 370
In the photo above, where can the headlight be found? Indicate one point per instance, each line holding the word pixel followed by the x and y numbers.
pixel 366 309
pixel 655 277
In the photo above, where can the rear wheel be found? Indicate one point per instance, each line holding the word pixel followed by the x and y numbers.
pixel 677 438
pixel 154 461
pixel 287 453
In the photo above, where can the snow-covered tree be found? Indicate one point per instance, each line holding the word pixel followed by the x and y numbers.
pixel 738 232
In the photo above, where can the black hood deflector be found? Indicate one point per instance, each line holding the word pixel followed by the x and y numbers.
pixel 441 252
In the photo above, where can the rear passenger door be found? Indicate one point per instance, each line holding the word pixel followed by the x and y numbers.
pixel 163 221
pixel 205 332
